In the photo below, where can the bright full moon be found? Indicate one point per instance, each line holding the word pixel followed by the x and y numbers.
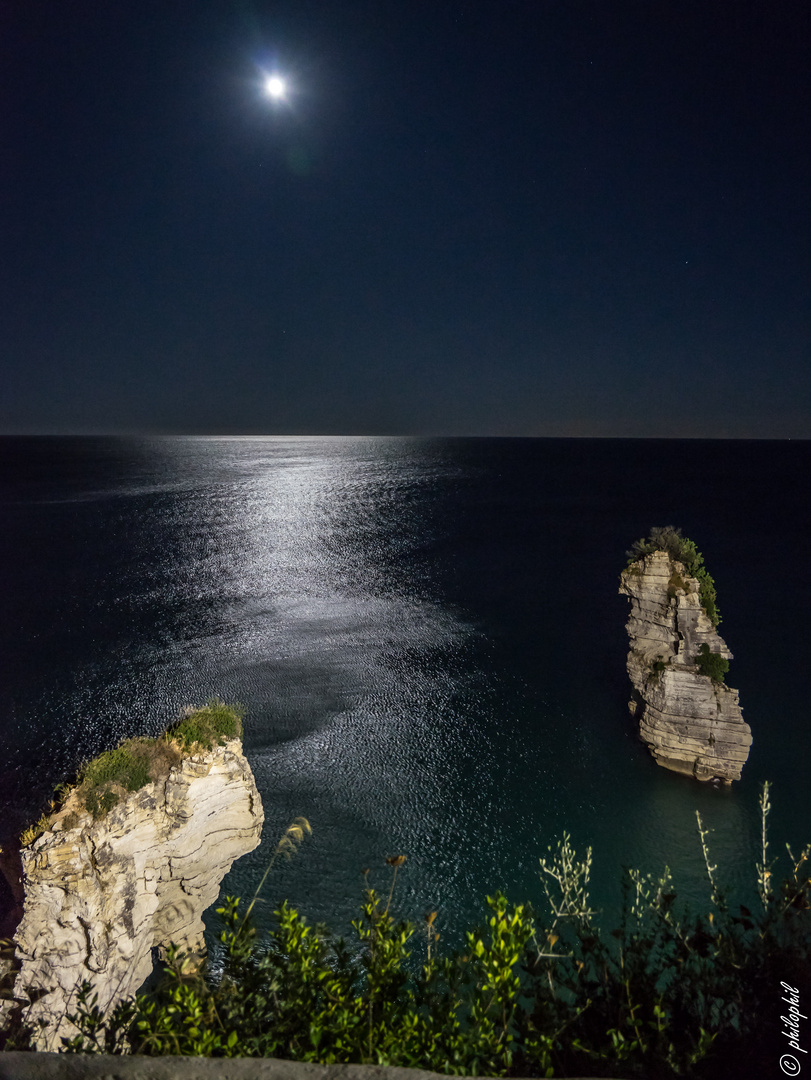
pixel 275 87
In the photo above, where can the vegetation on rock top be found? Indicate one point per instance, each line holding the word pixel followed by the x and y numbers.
pixel 668 538
pixel 136 762
pixel 201 728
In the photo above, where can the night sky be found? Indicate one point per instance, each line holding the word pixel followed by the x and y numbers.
pixel 548 218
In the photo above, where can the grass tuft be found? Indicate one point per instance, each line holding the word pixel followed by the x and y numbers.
pixel 212 723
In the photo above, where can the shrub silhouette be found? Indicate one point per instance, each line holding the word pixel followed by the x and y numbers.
pixel 665 994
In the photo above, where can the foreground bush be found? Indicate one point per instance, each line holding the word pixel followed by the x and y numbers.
pixel 664 995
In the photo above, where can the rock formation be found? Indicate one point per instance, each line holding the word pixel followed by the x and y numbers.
pixel 101 894
pixel 691 722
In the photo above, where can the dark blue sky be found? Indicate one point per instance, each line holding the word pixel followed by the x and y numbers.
pixel 509 218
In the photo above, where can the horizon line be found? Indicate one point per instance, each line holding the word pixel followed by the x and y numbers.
pixel 381 435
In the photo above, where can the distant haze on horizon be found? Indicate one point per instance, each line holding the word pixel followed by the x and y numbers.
pixel 504 218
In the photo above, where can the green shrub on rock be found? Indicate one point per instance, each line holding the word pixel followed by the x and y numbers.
pixel 711 664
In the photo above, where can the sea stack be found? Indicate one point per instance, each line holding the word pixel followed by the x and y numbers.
pixel 690 720
pixel 101 892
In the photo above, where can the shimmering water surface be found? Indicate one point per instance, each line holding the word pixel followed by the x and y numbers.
pixel 427 638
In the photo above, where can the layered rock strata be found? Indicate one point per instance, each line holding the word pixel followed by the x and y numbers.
pixel 691 723
pixel 101 894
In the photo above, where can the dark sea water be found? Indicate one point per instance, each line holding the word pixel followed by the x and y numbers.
pixel 426 635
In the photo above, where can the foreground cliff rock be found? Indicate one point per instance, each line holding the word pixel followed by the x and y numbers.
pixel 101 893
pixel 691 722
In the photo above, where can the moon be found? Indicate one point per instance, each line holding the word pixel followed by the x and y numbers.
pixel 275 87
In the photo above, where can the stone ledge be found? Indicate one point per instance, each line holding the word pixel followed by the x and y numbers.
pixel 21 1065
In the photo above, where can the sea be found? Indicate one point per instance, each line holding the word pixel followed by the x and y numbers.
pixel 429 644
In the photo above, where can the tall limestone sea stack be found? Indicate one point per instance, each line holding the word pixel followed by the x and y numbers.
pixel 115 873
pixel 689 718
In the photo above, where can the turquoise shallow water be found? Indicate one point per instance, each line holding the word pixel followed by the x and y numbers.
pixel 426 635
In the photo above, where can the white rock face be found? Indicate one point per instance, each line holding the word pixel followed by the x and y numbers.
pixel 690 723
pixel 100 895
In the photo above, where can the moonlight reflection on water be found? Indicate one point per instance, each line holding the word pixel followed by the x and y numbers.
pixel 426 636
